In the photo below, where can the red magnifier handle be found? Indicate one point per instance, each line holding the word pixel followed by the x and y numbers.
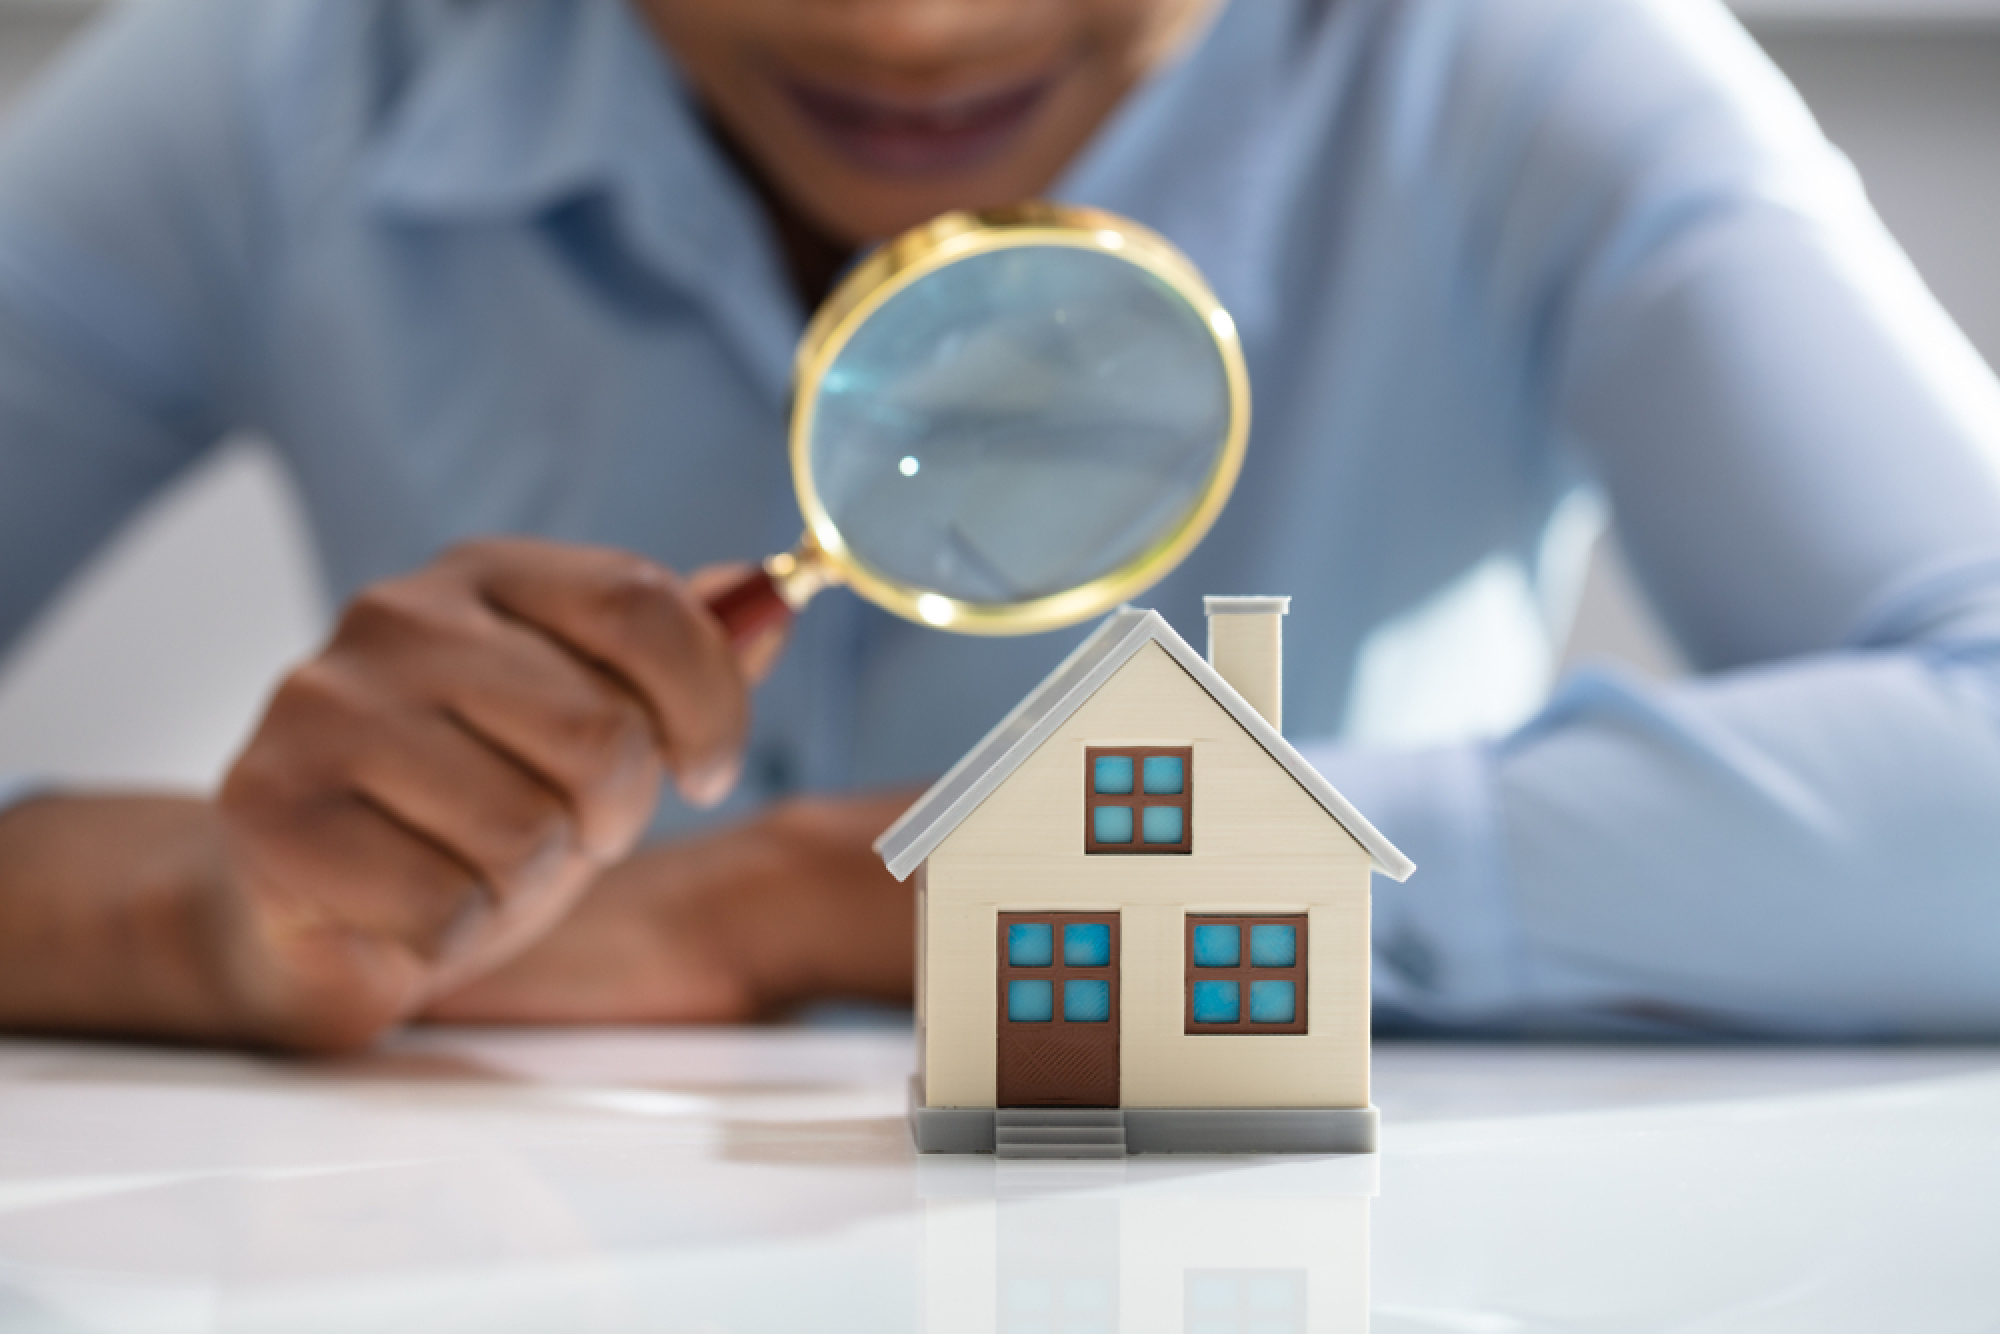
pixel 750 608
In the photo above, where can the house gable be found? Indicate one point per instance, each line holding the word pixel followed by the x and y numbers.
pixel 1071 687
pixel 1247 809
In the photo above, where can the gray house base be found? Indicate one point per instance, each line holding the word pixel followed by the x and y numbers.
pixel 1062 1132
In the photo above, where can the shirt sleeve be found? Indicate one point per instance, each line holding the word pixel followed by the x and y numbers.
pixel 1802 455
pixel 125 236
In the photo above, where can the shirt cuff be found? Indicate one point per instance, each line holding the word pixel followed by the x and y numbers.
pixel 1447 950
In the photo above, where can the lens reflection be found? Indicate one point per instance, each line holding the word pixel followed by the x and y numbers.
pixel 1019 424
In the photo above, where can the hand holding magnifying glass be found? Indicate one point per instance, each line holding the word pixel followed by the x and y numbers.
pixel 1007 422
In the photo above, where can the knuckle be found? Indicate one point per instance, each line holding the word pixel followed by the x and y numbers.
pixel 523 841
pixel 309 699
pixel 408 621
pixel 244 800
pixel 631 592
pixel 474 553
pixel 383 612
pixel 606 735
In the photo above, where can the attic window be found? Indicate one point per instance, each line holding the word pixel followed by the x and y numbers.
pixel 1138 799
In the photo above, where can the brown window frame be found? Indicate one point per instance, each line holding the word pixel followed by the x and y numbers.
pixel 1057 972
pixel 1138 797
pixel 1243 974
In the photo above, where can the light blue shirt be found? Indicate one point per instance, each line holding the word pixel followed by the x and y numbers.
pixel 473 266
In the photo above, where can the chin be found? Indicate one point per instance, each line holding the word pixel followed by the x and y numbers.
pixel 860 222
pixel 862 207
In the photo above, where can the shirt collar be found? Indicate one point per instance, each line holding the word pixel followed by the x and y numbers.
pixel 525 106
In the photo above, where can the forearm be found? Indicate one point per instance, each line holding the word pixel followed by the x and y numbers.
pixel 103 918
pixel 742 923
pixel 1806 850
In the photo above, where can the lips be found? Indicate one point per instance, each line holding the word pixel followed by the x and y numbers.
pixel 917 137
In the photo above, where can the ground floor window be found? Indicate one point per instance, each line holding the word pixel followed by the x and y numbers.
pixel 1246 974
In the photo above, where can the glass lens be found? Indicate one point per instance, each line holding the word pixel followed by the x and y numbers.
pixel 1019 424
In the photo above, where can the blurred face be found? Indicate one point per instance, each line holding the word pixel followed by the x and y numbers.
pixel 870 116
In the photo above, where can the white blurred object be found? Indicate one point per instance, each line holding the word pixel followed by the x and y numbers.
pixel 154 666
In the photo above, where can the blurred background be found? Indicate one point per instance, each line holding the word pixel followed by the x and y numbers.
pixel 154 665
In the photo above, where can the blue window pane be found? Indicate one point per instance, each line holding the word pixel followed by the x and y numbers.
pixel 1113 775
pixel 1086 1000
pixel 1031 945
pixel 1031 1002
pixel 1273 946
pixel 1215 1003
pixel 1217 946
pixel 1272 1003
pixel 1112 824
pixel 1164 775
pixel 1163 824
pixel 1087 945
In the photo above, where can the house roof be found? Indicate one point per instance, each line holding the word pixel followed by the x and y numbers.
pixel 925 825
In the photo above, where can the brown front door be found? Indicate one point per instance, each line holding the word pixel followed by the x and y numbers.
pixel 1058 1009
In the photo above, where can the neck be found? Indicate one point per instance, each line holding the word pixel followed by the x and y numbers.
pixel 813 258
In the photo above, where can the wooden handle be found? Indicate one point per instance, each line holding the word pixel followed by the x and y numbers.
pixel 750 607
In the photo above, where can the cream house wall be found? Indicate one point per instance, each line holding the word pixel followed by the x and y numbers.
pixel 1261 843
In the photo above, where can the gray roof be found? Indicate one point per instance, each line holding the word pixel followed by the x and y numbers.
pixel 906 844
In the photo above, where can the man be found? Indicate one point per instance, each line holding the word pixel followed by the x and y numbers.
pixel 533 268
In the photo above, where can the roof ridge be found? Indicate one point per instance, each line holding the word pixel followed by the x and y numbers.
pixel 926 824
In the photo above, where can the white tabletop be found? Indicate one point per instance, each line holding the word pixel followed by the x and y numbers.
pixel 763 1180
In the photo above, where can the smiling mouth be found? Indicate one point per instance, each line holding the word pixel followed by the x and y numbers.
pixel 911 137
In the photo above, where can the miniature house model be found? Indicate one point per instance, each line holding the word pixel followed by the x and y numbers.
pixel 1142 920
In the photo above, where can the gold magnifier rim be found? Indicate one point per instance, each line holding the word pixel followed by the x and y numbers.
pixel 924 250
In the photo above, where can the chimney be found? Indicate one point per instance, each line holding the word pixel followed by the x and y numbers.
pixel 1246 648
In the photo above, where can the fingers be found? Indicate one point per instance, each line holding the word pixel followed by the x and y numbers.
pixel 637 622
pixel 342 864
pixel 476 743
pixel 396 814
pixel 574 726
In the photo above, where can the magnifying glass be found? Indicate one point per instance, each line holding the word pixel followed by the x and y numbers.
pixel 1006 422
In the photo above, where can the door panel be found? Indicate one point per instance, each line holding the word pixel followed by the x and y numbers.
pixel 1058 980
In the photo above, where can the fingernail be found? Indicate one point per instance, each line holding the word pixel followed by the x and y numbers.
pixel 708 786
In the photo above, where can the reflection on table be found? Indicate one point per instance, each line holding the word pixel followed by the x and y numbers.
pixel 744 1181
pixel 1201 1246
